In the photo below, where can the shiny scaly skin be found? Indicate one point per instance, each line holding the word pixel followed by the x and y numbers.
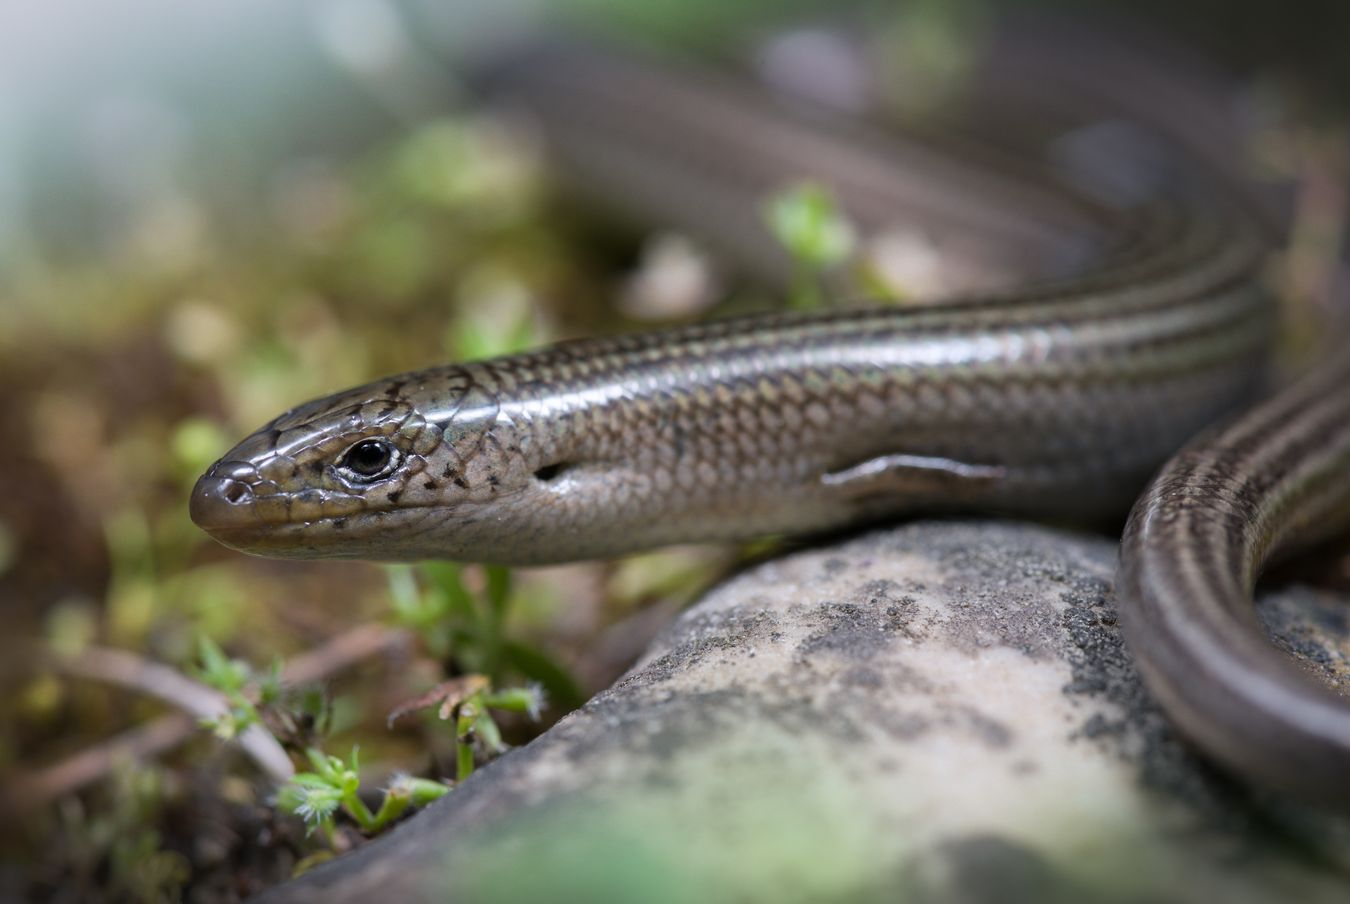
pixel 1060 402
pixel 1276 479
pixel 1057 400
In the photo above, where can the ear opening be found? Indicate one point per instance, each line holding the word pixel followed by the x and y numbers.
pixel 550 473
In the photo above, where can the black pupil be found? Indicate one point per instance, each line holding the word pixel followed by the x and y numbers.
pixel 368 458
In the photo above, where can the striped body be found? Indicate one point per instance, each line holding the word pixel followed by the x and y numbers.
pixel 1060 399
pixel 1058 402
pixel 1277 479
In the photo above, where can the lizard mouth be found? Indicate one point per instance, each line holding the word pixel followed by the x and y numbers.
pixel 240 509
pixel 233 496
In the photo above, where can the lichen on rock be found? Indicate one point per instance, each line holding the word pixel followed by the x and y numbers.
pixel 943 711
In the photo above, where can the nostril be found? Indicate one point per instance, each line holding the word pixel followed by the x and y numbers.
pixel 222 503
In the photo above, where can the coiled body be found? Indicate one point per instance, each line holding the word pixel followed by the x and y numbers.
pixel 1059 399
pixel 1277 479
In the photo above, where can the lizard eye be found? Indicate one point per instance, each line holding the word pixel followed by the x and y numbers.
pixel 368 461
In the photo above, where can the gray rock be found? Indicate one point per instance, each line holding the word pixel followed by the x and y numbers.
pixel 941 712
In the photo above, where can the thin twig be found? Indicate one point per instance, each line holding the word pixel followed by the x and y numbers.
pixel 91 764
pixel 167 732
pixel 125 669
pixel 343 651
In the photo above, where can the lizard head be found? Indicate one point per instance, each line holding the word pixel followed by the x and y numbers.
pixel 382 471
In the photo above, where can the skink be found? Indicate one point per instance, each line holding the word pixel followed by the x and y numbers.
pixel 1196 541
pixel 1058 400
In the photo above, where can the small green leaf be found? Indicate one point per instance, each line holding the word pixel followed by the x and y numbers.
pixel 538 666
pixel 807 222
pixel 313 801
pixel 356 808
pixel 323 764
pixel 485 727
pixel 464 718
pixel 396 800
pixel 463 760
pixel 518 699
pixel 233 722
pixel 218 670
pixel 464 726
pixel 423 791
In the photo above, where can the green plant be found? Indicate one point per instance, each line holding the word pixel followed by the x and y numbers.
pixel 334 784
pixel 474 721
pixel 314 796
pixel 807 221
pixel 243 689
pixel 466 628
